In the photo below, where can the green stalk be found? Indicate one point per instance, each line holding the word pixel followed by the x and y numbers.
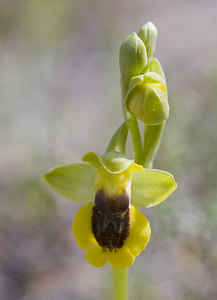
pixel 136 139
pixel 152 140
pixel 134 130
pixel 124 93
pixel 120 283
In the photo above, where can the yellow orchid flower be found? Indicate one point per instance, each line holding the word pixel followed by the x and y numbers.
pixel 110 227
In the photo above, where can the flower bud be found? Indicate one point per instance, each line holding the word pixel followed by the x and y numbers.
pixel 133 59
pixel 148 34
pixel 156 67
pixel 147 98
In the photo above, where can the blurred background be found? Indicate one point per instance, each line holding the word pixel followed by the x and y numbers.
pixel 60 98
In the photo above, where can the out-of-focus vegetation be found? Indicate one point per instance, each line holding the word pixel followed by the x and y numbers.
pixel 59 98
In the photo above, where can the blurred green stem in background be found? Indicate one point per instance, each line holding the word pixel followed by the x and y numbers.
pixel 136 139
pixel 152 140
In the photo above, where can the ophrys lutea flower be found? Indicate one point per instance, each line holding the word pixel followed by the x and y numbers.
pixel 110 227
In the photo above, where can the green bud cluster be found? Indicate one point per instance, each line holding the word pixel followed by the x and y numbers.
pixel 142 77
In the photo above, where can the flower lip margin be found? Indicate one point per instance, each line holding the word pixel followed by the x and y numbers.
pixel 134 244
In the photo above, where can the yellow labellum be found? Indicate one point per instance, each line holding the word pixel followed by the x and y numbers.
pixel 135 243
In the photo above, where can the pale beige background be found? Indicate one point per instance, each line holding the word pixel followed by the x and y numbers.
pixel 59 98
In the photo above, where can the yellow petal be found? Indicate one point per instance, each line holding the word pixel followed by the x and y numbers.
pixel 96 256
pixel 82 228
pixel 121 258
pixel 135 167
pixel 140 232
pixel 92 159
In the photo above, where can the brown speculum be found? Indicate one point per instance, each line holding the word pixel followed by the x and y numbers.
pixel 110 220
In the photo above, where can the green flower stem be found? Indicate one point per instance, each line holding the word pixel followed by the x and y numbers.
pixel 125 112
pixel 120 283
pixel 134 129
pixel 152 140
pixel 136 139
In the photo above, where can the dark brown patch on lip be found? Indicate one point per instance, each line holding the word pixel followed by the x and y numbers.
pixel 110 221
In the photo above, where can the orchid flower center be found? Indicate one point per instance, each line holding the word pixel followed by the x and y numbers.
pixel 110 220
